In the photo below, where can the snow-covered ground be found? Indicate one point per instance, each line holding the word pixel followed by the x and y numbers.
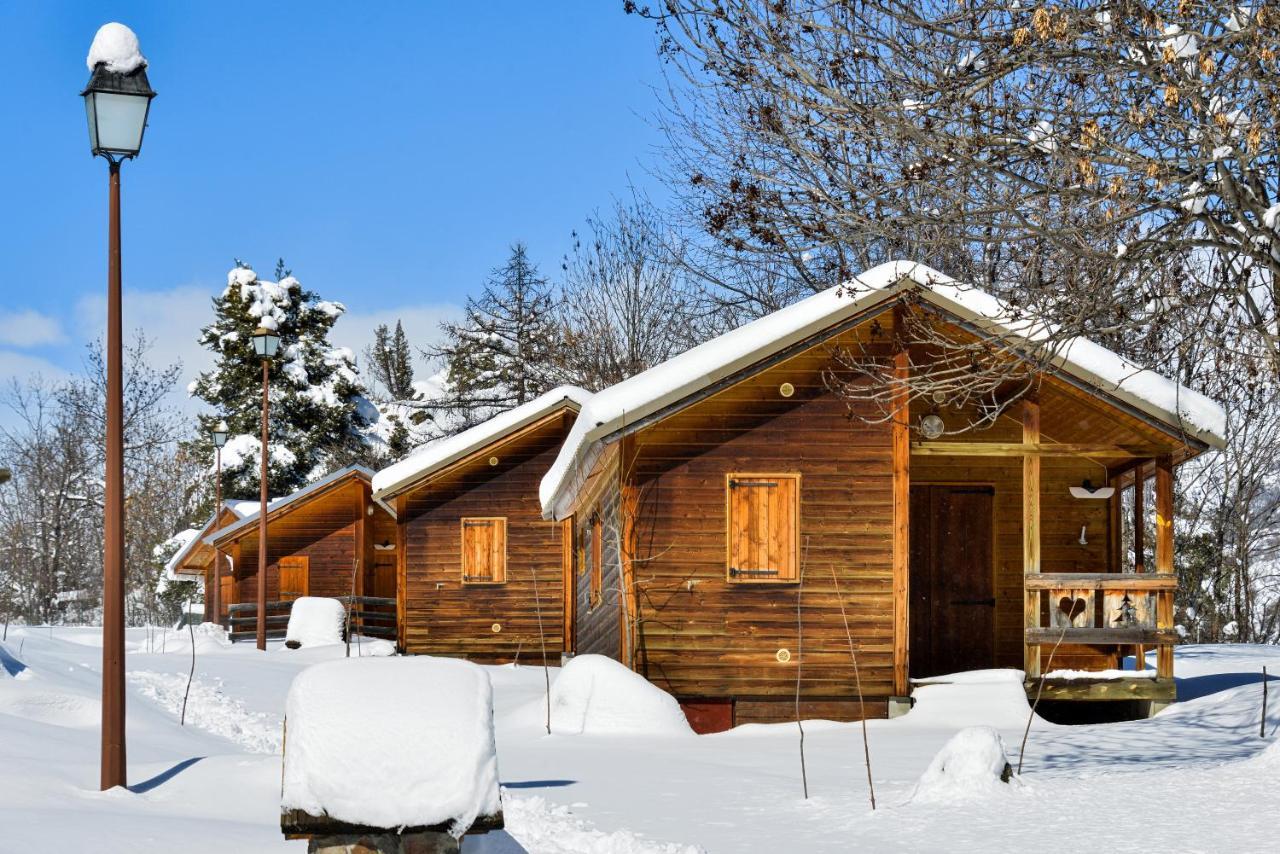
pixel 1196 778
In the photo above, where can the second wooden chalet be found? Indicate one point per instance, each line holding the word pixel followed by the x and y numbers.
pixel 733 507
pixel 479 569
pixel 327 539
pixel 196 560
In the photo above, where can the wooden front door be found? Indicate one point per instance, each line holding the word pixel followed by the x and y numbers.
pixel 952 579
pixel 294 580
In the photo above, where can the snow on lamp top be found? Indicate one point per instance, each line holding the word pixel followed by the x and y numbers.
pixel 117 47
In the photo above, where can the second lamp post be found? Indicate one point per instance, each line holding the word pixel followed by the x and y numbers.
pixel 219 435
pixel 265 344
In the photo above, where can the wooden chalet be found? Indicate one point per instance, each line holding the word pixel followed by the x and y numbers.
pixel 195 560
pixel 327 539
pixel 479 569
pixel 725 500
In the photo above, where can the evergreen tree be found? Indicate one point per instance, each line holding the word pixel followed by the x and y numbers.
pixel 391 361
pixel 319 417
pixel 503 352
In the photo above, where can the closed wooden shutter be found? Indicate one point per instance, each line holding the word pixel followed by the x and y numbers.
pixel 294 572
pixel 763 531
pixel 484 550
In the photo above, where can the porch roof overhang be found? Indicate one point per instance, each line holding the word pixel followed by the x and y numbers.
pixel 190 560
pixel 278 507
pixel 631 404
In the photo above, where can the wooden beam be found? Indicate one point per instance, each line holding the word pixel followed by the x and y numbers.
pixel 1031 530
pixel 1050 636
pixel 629 508
pixel 900 440
pixel 401 573
pixel 1100 581
pixel 1025 448
pixel 568 583
pixel 1139 544
pixel 1136 688
pixel 1164 559
pixel 1114 527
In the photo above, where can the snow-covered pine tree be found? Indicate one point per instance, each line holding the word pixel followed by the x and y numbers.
pixel 503 352
pixel 319 417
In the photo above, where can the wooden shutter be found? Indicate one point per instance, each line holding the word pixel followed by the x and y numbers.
pixel 294 572
pixel 228 591
pixel 763 531
pixel 484 550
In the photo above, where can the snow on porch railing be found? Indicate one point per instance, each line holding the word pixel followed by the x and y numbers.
pixel 372 616
pixel 1103 609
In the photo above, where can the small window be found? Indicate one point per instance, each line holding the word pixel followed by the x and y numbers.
pixel 294 577
pixel 597 559
pixel 764 516
pixel 484 550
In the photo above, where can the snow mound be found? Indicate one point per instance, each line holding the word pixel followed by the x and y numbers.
pixel 117 46
pixel 392 742
pixel 51 707
pixel 971 764
pixel 595 695
pixel 210 708
pixel 315 621
pixel 973 698
pixel 539 826
pixel 209 637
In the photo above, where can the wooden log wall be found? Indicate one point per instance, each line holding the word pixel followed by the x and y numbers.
pixel 323 530
pixel 702 636
pixel 444 617
pixel 598 623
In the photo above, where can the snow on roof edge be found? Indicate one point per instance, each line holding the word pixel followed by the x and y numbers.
pixel 274 504
pixel 699 367
pixel 448 449
pixel 171 565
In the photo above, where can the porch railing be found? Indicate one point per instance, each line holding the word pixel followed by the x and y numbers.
pixel 1106 608
pixel 371 616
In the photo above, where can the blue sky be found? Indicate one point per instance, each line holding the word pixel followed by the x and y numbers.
pixel 389 151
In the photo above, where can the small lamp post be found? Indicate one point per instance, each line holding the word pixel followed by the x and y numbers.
pixel 218 435
pixel 117 102
pixel 265 344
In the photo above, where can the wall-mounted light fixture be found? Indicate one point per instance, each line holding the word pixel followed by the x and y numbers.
pixel 1088 490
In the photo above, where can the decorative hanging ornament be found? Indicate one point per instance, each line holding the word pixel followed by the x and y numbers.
pixel 932 426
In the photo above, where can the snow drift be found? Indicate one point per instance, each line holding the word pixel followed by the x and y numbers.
pixel 391 742
pixel 972 763
pixel 595 695
pixel 315 621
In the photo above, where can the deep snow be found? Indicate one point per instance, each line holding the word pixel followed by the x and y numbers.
pixel 1195 778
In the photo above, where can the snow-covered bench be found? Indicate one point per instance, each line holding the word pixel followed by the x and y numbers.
pixel 398 752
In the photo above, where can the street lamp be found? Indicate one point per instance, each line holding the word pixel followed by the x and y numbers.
pixel 219 435
pixel 117 101
pixel 265 344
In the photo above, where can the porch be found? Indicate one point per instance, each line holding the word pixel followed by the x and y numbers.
pixel 1058 578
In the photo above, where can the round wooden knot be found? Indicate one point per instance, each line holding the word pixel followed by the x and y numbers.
pixel 493 461
pixel 786 389
pixel 783 655
pixel 496 627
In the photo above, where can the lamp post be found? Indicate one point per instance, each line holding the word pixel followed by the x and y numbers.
pixel 117 101
pixel 219 436
pixel 265 343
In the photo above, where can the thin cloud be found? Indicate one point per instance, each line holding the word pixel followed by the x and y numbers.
pixel 29 328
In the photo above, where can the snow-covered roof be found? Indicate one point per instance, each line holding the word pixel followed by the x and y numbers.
pixel 434 456
pixel 251 518
pixel 637 397
pixel 192 537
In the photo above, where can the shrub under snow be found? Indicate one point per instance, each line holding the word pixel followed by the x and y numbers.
pixel 315 621
pixel 391 742
pixel 973 762
pixel 595 695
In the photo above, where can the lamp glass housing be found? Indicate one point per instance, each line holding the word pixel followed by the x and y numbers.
pixel 265 343
pixel 219 434
pixel 116 106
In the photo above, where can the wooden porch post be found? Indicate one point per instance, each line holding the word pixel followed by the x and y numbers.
pixel 1139 544
pixel 401 574
pixel 1031 530
pixel 568 584
pixel 900 439
pixel 628 507
pixel 1164 560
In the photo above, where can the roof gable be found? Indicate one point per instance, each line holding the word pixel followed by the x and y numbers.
pixel 291 501
pixel 434 456
pixel 722 358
